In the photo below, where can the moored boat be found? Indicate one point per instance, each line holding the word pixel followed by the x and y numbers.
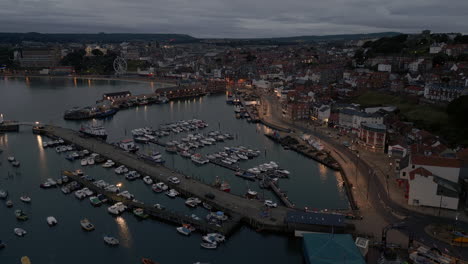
pixel 51 221
pixel 87 225
pixel 112 241
pixel 208 245
pixel 20 215
pixel 20 231
pixel 25 199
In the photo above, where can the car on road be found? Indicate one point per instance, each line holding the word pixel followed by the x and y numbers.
pixel 270 203
pixel 173 180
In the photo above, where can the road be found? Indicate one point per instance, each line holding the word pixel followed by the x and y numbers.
pixel 366 185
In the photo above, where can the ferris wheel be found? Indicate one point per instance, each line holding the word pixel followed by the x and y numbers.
pixel 120 66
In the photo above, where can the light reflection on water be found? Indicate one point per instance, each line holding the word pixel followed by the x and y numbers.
pixel 124 232
pixel 323 172
pixel 42 156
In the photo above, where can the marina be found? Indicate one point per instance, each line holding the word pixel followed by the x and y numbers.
pixel 39 163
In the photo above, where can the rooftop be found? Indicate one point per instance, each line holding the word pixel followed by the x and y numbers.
pixel 320 248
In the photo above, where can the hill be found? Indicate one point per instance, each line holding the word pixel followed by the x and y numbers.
pixel 93 38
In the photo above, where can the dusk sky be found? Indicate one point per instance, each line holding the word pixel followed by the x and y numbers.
pixel 233 18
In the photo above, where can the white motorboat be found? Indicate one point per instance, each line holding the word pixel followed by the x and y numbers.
pixel 117 208
pixel 148 180
pixel 126 194
pixel 51 221
pixel 172 193
pixel 84 162
pixel 87 191
pixel 183 230
pixel 20 231
pixel 190 203
pixel 108 164
pixel 80 194
pixel 112 188
pixel 112 241
pixel 121 170
pixel 25 199
pixel 159 187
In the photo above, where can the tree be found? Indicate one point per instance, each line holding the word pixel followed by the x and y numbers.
pixel 74 59
pixel 457 110
pixel 97 52
pixel 439 59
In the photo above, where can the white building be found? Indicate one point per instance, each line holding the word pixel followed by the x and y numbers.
pixel 351 118
pixel 384 67
pixel 436 48
pixel 427 189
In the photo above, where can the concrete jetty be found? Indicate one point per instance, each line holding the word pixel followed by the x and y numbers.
pixel 249 211
pixel 165 215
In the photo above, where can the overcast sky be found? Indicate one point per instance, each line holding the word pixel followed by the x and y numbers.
pixel 233 18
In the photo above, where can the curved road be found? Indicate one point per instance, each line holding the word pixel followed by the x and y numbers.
pixel 376 193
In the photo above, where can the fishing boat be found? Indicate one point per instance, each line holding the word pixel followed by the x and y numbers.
pixel 20 231
pixel 128 145
pixel 20 215
pixel 198 158
pixel 25 199
pixel 25 260
pixel 183 230
pixel 86 225
pixel 94 131
pixel 51 221
pixel 112 241
pixel 208 245
pixel 246 175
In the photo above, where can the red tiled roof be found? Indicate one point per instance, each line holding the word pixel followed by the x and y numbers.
pixel 436 161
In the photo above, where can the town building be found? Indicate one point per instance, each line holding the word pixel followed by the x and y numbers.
pixel 373 136
pixel 39 56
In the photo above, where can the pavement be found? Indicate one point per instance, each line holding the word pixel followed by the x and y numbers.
pixel 370 189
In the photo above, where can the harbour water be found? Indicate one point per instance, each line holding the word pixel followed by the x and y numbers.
pixel 36 99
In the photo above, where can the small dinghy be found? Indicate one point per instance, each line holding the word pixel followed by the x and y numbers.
pixel 25 199
pixel 86 225
pixel 51 221
pixel 20 231
pixel 112 241
pixel 209 245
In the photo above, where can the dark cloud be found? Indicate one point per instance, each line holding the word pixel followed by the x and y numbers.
pixel 233 18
